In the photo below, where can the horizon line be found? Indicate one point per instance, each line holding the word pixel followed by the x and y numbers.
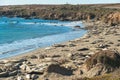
pixel 58 4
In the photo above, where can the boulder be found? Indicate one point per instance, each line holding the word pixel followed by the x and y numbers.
pixel 102 62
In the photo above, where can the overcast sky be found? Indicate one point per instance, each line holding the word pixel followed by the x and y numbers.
pixel 20 2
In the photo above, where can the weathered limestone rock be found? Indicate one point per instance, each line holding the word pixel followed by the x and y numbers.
pixel 102 62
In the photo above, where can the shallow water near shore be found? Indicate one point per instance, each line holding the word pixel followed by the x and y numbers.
pixel 18 35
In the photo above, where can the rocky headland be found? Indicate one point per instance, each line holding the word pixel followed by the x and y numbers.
pixel 95 56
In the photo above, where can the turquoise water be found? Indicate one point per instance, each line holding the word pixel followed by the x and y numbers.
pixel 18 35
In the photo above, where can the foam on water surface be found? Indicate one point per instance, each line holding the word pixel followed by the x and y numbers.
pixel 18 35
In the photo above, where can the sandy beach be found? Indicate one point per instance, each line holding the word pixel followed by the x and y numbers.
pixel 65 61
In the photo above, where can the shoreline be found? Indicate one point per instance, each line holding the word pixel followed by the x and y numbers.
pixel 36 50
pixel 69 55
pixel 19 56
pixel 73 31
pixel 95 56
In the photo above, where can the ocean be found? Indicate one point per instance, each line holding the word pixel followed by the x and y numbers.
pixel 19 35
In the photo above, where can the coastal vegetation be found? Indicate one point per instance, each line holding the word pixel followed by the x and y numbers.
pixel 60 12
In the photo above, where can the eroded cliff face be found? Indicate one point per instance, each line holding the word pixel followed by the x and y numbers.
pixel 46 14
pixel 113 18
pixel 63 12
pixel 72 16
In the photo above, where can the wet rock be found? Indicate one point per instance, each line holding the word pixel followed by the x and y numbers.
pixel 77 27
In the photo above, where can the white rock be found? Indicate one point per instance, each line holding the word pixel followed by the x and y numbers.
pixel 19 78
pixel 91 53
pixel 28 76
pixel 105 49
pixel 87 56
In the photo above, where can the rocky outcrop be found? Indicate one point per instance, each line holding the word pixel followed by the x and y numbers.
pixel 102 62
pixel 113 18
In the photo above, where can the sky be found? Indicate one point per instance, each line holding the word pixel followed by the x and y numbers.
pixel 21 2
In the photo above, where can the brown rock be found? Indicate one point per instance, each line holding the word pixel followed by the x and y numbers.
pixel 56 68
pixel 106 58
pixel 113 18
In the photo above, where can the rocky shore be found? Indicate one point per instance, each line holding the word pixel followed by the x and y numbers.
pixel 97 53
pixel 95 56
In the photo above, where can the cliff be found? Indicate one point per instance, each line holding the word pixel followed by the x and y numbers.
pixel 61 12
